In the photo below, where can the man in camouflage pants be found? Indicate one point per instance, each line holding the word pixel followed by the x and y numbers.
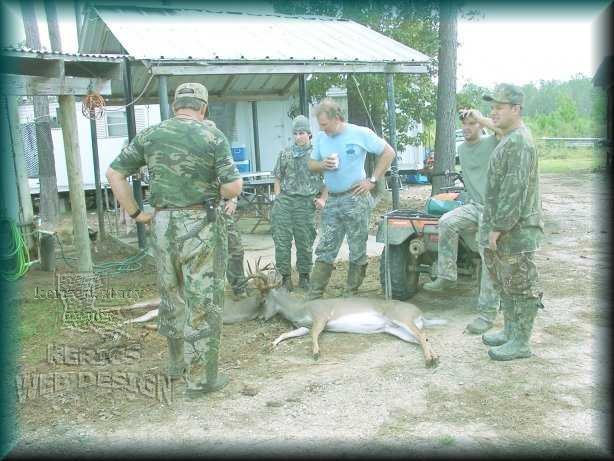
pixel 512 226
pixel 339 152
pixel 190 170
pixel 465 220
pixel 293 214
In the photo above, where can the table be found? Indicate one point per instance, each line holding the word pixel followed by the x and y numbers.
pixel 257 194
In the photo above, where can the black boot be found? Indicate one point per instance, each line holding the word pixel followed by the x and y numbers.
pixel 303 281
pixel 287 282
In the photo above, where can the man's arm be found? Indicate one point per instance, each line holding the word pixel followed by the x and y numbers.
pixel 484 122
pixel 123 193
pixel 324 165
pixel 231 189
pixel 382 165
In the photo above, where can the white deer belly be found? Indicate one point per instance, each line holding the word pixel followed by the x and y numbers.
pixel 363 322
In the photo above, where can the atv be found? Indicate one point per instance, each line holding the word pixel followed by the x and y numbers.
pixel 411 236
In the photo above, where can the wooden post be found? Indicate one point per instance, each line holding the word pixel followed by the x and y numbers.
pixel 256 135
pixel 68 120
pixel 302 95
pixel 165 112
pixel 96 160
pixel 49 200
pixel 52 25
pixel 392 130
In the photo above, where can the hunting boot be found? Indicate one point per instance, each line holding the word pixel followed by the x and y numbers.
pixel 501 337
pixel 356 274
pixel 479 325
pixel 287 282
pixel 176 363
pixel 518 346
pixel 440 285
pixel 320 275
pixel 303 281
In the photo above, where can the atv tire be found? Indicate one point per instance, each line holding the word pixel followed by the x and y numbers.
pixel 403 280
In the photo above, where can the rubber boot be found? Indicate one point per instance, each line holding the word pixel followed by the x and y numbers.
pixel 356 274
pixel 320 275
pixel 518 346
pixel 440 285
pixel 303 282
pixel 287 282
pixel 176 363
pixel 501 337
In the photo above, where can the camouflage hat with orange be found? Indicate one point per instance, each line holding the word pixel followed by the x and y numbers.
pixel 506 94
pixel 192 90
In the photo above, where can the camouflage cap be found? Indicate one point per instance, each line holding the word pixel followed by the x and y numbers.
pixel 301 123
pixel 506 94
pixel 192 90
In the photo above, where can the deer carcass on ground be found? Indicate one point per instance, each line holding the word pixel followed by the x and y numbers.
pixel 351 315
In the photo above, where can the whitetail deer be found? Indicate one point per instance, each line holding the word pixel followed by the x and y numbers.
pixel 235 311
pixel 350 315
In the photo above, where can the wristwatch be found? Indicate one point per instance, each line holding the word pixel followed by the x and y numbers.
pixel 373 179
pixel 136 213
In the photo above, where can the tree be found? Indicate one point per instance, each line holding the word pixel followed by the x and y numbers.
pixel 445 146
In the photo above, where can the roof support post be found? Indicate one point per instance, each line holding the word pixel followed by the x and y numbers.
pixel 96 161
pixel 75 182
pixel 165 112
pixel 256 135
pixel 392 130
pixel 131 120
pixel 302 95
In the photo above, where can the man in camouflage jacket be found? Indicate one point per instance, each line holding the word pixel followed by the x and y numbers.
pixel 190 169
pixel 293 213
pixel 512 226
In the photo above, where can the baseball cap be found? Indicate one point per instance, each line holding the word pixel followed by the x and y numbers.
pixel 192 90
pixel 506 93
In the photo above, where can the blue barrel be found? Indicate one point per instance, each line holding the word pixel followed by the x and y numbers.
pixel 243 166
pixel 239 153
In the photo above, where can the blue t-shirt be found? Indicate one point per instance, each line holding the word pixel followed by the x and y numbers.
pixel 352 146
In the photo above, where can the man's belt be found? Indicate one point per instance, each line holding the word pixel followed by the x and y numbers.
pixel 196 206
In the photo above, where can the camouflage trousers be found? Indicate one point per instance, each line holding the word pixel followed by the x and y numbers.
pixel 293 217
pixel 235 273
pixel 514 276
pixel 191 261
pixel 345 215
pixel 465 221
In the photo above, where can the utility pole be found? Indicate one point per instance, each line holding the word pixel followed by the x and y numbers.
pixel 445 147
pixel 49 201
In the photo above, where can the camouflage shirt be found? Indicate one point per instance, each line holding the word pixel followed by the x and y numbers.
pixel 187 161
pixel 512 203
pixel 294 175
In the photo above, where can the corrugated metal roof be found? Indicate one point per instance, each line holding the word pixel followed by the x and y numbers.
pixel 29 52
pixel 181 34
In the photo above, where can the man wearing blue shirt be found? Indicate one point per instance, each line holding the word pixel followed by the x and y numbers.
pixel 339 152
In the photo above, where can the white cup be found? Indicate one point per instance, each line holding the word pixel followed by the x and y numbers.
pixel 335 157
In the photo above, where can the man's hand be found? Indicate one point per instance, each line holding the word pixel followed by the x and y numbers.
pixel 362 187
pixel 493 236
pixel 230 207
pixel 319 202
pixel 144 218
pixel 329 163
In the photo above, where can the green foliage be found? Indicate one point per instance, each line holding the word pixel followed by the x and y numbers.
pixel 571 109
pixel 415 24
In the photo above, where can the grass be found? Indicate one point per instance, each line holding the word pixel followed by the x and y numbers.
pixel 570 160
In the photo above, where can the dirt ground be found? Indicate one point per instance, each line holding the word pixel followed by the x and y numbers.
pixel 368 394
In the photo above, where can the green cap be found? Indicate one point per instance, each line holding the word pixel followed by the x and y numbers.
pixel 301 123
pixel 192 90
pixel 506 94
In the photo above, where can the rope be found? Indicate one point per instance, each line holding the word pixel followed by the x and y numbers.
pixel 17 251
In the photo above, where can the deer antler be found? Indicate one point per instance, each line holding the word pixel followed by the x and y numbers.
pixel 263 282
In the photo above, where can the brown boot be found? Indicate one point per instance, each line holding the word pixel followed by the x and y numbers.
pixel 356 274
pixel 320 275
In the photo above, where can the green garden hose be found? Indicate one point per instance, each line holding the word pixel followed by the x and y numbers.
pixel 16 261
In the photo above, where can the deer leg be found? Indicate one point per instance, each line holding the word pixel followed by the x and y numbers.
pixel 430 356
pixel 317 328
pixel 302 331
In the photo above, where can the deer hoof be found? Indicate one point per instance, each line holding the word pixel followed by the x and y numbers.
pixel 316 355
pixel 433 362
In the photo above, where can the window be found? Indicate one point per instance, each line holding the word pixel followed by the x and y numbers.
pixel 116 124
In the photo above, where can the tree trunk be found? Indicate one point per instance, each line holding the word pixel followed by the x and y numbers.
pixel 445 146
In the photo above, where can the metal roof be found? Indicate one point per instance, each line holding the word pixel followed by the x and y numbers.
pixel 23 52
pixel 228 37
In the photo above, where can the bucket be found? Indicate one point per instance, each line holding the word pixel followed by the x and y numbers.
pixel 243 166
pixel 239 153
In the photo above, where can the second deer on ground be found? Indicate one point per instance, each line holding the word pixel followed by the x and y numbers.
pixel 351 315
